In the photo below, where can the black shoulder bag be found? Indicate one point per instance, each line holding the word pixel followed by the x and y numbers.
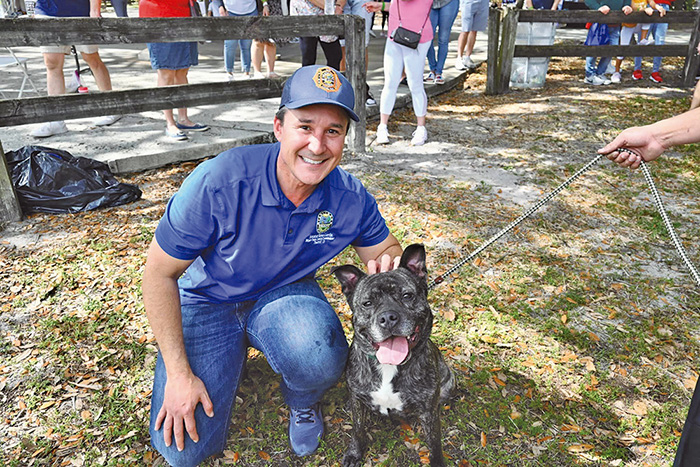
pixel 406 37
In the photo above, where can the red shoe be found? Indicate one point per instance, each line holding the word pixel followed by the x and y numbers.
pixel 656 77
pixel 637 75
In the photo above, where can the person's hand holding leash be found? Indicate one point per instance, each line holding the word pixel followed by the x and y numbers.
pixel 640 141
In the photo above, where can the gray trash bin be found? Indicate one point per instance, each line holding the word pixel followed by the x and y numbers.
pixel 530 72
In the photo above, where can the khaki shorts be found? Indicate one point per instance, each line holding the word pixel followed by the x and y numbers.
pixel 65 49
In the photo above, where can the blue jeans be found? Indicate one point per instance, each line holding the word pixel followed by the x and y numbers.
pixel 443 19
pixel 658 30
pixel 294 326
pixel 119 8
pixel 231 45
pixel 591 68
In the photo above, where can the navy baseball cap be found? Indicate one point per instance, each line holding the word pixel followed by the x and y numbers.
pixel 315 84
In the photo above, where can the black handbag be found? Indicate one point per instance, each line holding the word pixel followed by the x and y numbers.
pixel 403 36
pixel 406 37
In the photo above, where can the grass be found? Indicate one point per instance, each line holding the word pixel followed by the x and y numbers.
pixel 573 338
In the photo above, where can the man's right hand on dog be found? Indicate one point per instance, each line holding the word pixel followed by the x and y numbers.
pixel 385 263
pixel 182 394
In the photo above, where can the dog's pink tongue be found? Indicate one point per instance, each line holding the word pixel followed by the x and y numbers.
pixel 393 351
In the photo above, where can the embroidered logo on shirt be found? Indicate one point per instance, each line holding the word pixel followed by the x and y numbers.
pixel 327 79
pixel 324 221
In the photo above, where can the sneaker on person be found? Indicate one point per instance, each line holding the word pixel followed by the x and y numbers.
pixel 50 129
pixel 305 429
pixel 439 79
pixel 382 134
pixel 616 77
pixel 596 80
pixel 107 120
pixel 370 102
pixel 459 64
pixel 429 78
pixel 637 75
pixel 230 76
pixel 468 63
pixel 646 41
pixel 656 77
pixel 420 136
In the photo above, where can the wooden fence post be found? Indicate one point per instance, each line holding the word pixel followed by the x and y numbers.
pixel 10 211
pixel 692 60
pixel 509 29
pixel 356 72
pixel 492 65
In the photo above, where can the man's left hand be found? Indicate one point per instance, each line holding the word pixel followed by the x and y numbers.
pixel 384 264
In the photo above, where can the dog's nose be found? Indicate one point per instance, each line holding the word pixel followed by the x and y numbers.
pixel 388 319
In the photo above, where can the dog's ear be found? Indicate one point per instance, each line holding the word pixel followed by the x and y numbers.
pixel 413 259
pixel 348 276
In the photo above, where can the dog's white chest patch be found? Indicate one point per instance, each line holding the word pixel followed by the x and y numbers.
pixel 385 398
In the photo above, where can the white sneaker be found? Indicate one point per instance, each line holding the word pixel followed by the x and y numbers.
pixel 106 120
pixel 459 64
pixel 646 42
pixel 468 63
pixel 50 129
pixel 596 80
pixel 231 77
pixel 605 80
pixel 420 136
pixel 616 77
pixel 382 134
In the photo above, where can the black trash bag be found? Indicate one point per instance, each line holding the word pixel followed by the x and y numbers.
pixel 52 180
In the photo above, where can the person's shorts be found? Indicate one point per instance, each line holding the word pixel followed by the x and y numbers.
pixel 354 7
pixel 173 55
pixel 475 15
pixel 65 49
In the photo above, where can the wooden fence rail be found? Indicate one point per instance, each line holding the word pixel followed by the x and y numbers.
pixel 503 26
pixel 67 31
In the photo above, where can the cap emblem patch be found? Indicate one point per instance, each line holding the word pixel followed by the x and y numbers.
pixel 327 79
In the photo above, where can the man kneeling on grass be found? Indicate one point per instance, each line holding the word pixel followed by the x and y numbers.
pixel 232 265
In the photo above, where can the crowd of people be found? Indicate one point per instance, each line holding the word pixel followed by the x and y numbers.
pixel 597 68
pixel 422 62
pixel 172 61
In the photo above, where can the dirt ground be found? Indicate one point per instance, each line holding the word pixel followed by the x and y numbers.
pixel 71 397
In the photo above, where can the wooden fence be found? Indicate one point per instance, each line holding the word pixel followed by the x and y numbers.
pixel 503 23
pixel 47 31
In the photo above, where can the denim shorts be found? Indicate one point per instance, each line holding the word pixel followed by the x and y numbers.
pixel 173 55
pixel 475 15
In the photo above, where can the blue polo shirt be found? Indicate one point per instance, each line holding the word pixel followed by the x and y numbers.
pixel 247 238
pixel 63 8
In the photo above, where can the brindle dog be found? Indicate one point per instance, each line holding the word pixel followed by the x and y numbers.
pixel 394 367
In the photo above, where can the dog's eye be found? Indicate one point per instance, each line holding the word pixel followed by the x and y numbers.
pixel 408 296
pixel 367 303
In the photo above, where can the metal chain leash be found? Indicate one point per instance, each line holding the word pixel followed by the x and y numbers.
pixel 655 194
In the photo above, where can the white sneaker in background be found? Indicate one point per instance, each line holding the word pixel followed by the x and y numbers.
pixel 646 41
pixel 459 64
pixel 106 120
pixel 616 77
pixel 50 129
pixel 468 63
pixel 231 77
pixel 382 134
pixel 420 136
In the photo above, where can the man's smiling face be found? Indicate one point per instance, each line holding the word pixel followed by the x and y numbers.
pixel 311 146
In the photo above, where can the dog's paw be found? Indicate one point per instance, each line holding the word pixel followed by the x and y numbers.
pixel 352 459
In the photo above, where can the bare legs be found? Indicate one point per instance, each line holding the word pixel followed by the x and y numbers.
pixel 171 78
